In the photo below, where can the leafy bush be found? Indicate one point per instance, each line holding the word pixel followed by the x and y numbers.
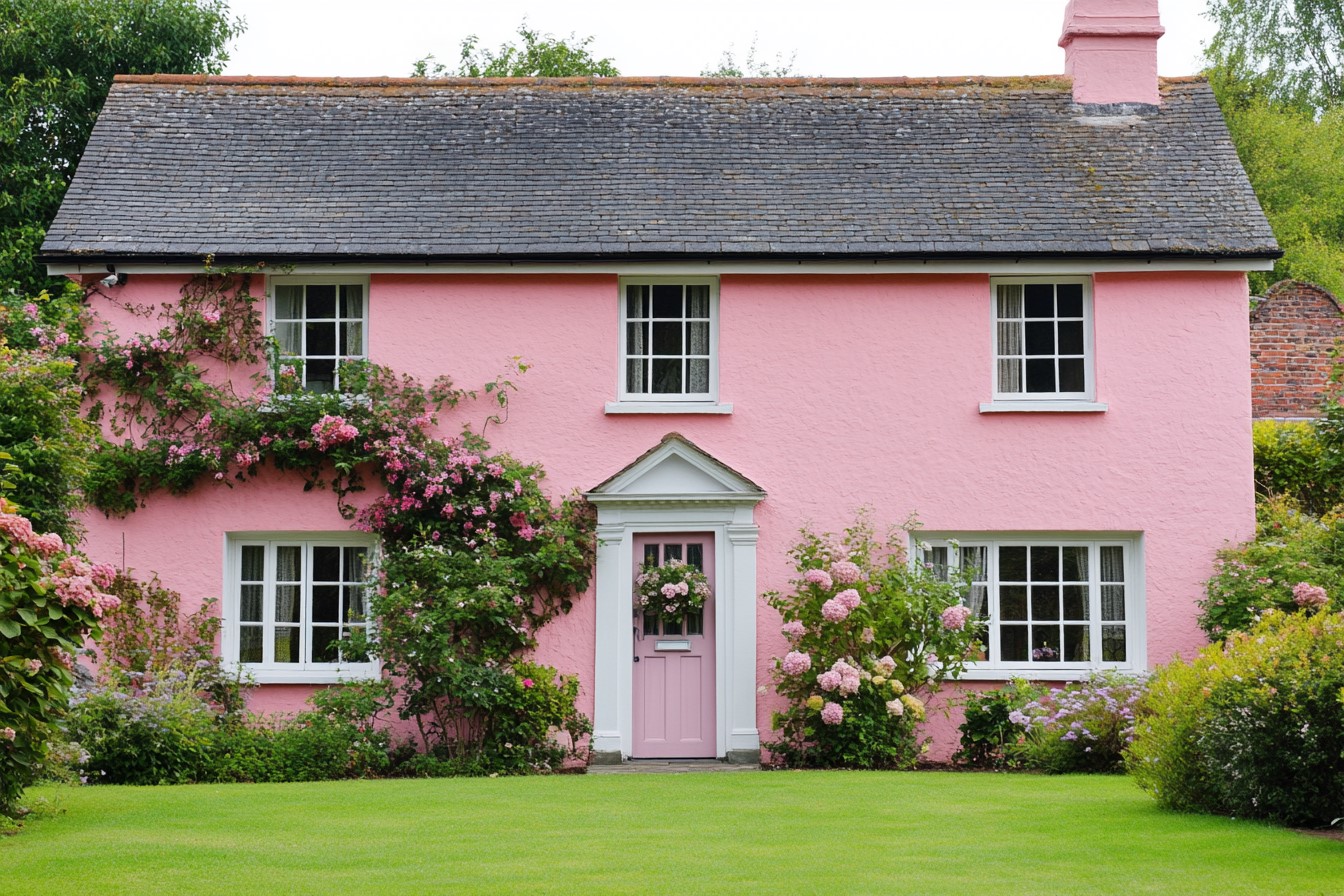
pixel 1252 728
pixel 989 737
pixel 1291 460
pixel 1290 548
pixel 1083 727
pixel 870 632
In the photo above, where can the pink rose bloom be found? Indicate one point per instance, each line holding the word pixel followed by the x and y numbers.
pixel 1305 595
pixel 833 610
pixel 793 630
pixel 796 663
pixel 832 714
pixel 845 572
pixel 529 683
pixel 818 577
pixel 829 680
pixel 8 734
pixel 954 618
pixel 850 598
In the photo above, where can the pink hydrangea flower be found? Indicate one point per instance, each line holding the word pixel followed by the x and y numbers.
pixel 887 665
pixel 818 577
pixel 954 618
pixel 796 663
pixel 829 680
pixel 832 713
pixel 1307 595
pixel 834 610
pixel 845 572
pixel 793 630
pixel 895 708
pixel 850 598
pixel 849 677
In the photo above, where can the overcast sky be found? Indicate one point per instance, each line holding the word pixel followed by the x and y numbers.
pixel 835 38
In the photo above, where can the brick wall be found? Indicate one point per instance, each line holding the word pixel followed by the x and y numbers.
pixel 1293 330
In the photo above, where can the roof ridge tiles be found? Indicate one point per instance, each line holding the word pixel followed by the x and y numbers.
pixel 1020 81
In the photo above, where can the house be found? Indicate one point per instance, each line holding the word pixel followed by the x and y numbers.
pixel 1295 327
pixel 1016 307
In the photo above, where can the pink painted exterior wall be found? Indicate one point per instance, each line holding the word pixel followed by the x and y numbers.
pixel 847 391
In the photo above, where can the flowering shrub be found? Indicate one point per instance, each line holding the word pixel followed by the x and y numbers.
pixel 1292 551
pixel 1253 727
pixel 671 589
pixel 51 600
pixel 1082 727
pixel 869 634
pixel 990 738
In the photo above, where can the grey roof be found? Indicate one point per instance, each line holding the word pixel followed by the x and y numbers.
pixel 259 169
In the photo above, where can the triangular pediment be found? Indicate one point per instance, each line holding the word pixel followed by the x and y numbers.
pixel 677 470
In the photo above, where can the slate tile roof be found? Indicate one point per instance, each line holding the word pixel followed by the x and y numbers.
pixel 626 169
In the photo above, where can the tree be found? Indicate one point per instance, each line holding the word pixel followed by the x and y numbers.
pixel 538 56
pixel 57 60
pixel 751 67
pixel 1290 50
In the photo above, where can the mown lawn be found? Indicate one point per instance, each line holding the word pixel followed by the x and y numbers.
pixel 775 832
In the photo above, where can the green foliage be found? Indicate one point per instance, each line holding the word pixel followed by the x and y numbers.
pixel 1290 547
pixel 751 66
pixel 1253 728
pixel 870 632
pixel 1288 50
pixel 535 56
pixel 50 602
pixel 57 60
pixel 1085 726
pixel 1292 460
pixel 989 738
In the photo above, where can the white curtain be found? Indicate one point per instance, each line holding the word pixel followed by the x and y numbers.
pixel 1009 348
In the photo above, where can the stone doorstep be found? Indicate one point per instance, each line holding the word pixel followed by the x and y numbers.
pixel 669 767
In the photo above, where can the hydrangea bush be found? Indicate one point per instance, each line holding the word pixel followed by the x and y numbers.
pixel 51 600
pixel 872 637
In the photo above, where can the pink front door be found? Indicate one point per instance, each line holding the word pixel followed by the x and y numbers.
pixel 673 711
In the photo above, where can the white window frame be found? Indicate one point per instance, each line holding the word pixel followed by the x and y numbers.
pixel 661 402
pixel 1075 401
pixel 285 673
pixel 1135 622
pixel 306 281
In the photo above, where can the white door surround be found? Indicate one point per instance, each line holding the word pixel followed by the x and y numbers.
pixel 676 487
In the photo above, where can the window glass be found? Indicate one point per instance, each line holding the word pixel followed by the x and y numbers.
pixel 316 327
pixel 667 340
pixel 1040 340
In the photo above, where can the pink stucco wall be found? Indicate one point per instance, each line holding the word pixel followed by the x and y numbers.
pixel 847 391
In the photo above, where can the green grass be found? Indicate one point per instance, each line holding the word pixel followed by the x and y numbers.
pixel 779 832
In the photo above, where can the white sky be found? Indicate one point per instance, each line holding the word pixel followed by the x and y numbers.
pixel 869 38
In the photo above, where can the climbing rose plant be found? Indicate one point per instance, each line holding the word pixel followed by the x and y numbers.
pixel 872 636
pixel 51 600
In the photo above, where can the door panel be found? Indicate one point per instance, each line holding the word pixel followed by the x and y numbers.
pixel 674 708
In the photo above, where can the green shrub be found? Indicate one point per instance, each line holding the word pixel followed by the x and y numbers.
pixel 1290 547
pixel 1084 726
pixel 989 737
pixel 1292 461
pixel 1254 728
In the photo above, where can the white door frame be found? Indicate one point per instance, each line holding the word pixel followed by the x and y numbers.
pixel 677 488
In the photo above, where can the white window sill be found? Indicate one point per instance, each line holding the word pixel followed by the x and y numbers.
pixel 984 672
pixel 333 675
pixel 668 407
pixel 1043 406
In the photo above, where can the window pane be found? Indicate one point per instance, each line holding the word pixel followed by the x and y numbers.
pixel 286 603
pixel 667 375
pixel 319 375
pixel 1075 602
pixel 249 644
pixel 635 376
pixel 1112 563
pixel 667 301
pixel 1013 564
pixel 290 338
pixel 254 563
pixel 1040 338
pixel 352 339
pixel 1113 644
pixel 1010 337
pixel 1070 297
pixel 289 302
pixel 672 626
pixel 671 552
pixel 651 625
pixel 352 301
pixel 1010 375
pixel 1010 300
pixel 250 608
pixel 650 553
pixel 1071 377
pixel 321 302
pixel 637 338
pixel 636 301
pixel 1077 644
pixel 287 645
pixel 1041 375
pixel 1075 564
pixel 326 603
pixel 1070 337
pixel 1113 603
pixel 1013 602
pixel 695 555
pixel 1013 643
pixel 1045 564
pixel 354 603
pixel 695 623
pixel 288 563
pixel 697 372
pixel 697 301
pixel 667 338
pixel 354 569
pixel 324 644
pixel 1045 602
pixel 1040 299
pixel 321 338
pixel 697 338
pixel 1045 647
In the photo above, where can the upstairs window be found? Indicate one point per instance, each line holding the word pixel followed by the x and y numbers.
pixel 1042 339
pixel 317 326
pixel 669 340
